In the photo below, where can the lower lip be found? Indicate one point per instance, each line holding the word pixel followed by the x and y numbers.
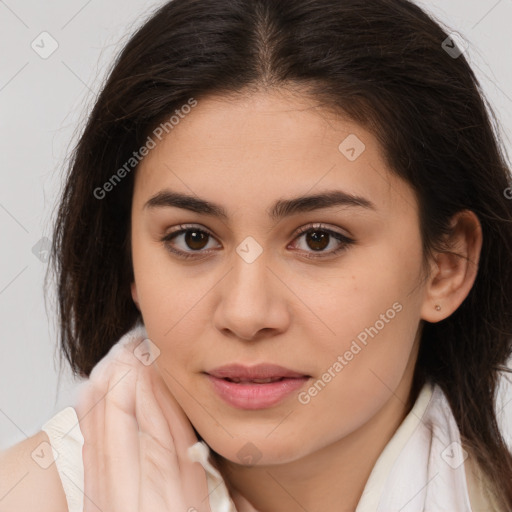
pixel 253 395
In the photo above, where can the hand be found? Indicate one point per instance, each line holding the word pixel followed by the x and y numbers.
pixel 135 441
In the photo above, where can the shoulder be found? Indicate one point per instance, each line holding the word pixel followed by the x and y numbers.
pixel 28 479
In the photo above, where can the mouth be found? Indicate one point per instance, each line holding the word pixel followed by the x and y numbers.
pixel 264 372
pixel 238 380
pixel 256 387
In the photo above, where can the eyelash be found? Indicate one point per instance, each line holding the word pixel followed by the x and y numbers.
pixel 345 241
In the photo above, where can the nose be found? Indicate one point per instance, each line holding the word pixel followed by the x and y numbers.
pixel 252 302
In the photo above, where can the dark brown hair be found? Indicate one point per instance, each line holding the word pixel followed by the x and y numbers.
pixel 382 63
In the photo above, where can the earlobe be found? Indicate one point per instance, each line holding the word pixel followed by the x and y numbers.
pixel 455 269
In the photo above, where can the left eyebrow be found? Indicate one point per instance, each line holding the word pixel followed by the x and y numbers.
pixel 280 209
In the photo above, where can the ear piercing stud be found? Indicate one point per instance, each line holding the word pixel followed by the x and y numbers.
pixel 438 307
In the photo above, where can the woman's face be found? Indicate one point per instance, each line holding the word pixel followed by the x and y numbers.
pixel 255 290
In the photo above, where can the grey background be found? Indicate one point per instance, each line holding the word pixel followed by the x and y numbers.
pixel 43 104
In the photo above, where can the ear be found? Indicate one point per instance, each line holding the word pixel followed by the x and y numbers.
pixel 454 272
pixel 134 295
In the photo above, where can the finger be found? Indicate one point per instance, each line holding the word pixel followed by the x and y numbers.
pixel 121 443
pixel 160 473
pixel 193 475
pixel 91 413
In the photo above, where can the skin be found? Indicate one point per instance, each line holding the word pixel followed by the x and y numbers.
pixel 284 308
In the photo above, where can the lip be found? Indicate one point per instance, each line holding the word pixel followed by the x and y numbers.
pixel 259 371
pixel 251 395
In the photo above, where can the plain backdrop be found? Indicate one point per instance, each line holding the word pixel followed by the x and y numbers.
pixel 44 101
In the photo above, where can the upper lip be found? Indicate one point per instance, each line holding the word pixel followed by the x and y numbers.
pixel 259 371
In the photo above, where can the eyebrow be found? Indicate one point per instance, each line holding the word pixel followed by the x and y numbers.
pixel 280 209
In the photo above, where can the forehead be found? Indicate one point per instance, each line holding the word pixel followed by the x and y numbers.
pixel 246 152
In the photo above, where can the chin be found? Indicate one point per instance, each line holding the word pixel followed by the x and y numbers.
pixel 260 451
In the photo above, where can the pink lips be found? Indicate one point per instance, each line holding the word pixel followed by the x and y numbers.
pixel 260 371
pixel 240 385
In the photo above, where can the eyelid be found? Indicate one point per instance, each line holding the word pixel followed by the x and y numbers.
pixel 320 226
pixel 186 227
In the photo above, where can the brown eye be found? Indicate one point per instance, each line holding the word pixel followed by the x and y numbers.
pixel 196 239
pixel 318 238
pixel 192 239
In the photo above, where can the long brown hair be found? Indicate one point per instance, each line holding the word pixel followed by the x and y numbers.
pixel 383 63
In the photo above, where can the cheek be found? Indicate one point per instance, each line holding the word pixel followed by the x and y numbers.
pixel 169 304
pixel 362 302
pixel 359 372
pixel 167 293
pixel 372 312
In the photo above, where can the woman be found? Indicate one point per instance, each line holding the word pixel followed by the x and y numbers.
pixel 290 221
